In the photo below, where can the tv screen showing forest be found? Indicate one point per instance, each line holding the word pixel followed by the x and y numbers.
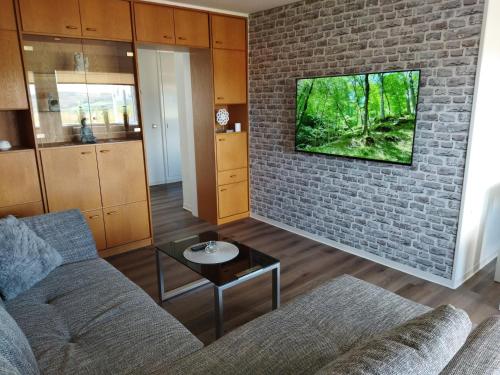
pixel 368 116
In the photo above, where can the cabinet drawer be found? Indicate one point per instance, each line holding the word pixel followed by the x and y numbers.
pixel 229 177
pixel 233 199
pixel 22 210
pixel 127 223
pixel 21 184
pixel 96 224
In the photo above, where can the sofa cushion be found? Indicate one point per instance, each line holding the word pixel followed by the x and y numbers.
pixel 25 258
pixel 422 346
pixel 480 353
pixel 67 232
pixel 305 334
pixel 15 351
pixel 88 318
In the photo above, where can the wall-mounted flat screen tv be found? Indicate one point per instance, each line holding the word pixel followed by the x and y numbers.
pixel 366 116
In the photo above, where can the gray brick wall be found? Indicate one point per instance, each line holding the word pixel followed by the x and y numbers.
pixel 405 214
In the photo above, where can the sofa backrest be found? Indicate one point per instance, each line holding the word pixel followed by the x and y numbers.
pixel 67 232
pixel 481 352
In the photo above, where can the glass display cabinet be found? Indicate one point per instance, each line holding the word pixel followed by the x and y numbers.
pixel 76 83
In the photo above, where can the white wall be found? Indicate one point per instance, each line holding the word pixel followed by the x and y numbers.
pixel 479 227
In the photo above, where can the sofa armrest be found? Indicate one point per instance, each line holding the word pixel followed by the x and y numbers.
pixel 67 232
pixel 480 353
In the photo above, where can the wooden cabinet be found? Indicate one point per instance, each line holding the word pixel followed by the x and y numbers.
pixel 230 76
pixel 233 199
pixel 13 88
pixel 231 151
pixel 191 28
pixel 7 15
pixel 22 210
pixel 56 17
pixel 228 32
pixel 127 223
pixel 154 23
pixel 71 178
pixel 95 221
pixel 110 19
pixel 21 184
pixel 121 172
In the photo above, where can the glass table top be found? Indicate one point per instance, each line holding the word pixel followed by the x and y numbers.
pixel 248 260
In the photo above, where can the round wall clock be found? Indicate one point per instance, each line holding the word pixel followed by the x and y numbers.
pixel 222 117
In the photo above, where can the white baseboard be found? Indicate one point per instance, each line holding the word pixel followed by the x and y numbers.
pixel 473 270
pixel 363 254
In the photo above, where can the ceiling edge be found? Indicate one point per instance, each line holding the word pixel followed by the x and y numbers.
pixel 192 6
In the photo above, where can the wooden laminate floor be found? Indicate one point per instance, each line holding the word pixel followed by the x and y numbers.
pixel 304 265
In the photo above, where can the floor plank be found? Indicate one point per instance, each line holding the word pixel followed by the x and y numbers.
pixel 304 265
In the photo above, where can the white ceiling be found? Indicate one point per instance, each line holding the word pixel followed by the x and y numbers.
pixel 241 7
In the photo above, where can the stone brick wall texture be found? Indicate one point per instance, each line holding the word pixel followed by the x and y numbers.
pixel 408 214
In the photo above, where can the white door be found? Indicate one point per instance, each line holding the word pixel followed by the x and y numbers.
pixel 168 73
pixel 152 116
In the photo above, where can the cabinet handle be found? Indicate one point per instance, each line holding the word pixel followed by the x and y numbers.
pixel 91 29
pixel 93 217
pixel 104 151
pixel 86 152
pixel 111 213
pixel 220 98
pixel 218 42
pixel 222 139
pixel 167 36
pixel 181 38
pixel 222 190
pixel 233 176
pixel 70 27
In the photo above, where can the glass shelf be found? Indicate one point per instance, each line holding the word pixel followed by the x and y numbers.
pixel 74 81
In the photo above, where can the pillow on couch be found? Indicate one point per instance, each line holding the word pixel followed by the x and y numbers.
pixel 25 258
pixel 421 346
pixel 16 356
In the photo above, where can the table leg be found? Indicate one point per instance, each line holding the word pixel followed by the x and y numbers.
pixel 219 312
pixel 159 274
pixel 276 288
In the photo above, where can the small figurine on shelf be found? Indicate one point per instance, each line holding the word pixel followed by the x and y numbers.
pixel 86 134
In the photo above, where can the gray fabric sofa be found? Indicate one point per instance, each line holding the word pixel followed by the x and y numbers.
pixel 87 318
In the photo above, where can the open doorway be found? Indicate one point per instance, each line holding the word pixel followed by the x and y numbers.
pixel 167 112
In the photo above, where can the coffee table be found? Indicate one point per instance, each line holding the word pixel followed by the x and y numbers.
pixel 249 264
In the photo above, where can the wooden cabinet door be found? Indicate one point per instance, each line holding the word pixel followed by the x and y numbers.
pixel 121 172
pixel 71 178
pixel 233 199
pixel 109 19
pixel 127 223
pixel 191 28
pixel 12 86
pixel 19 183
pixel 95 221
pixel 230 76
pixel 228 32
pixel 7 15
pixel 55 17
pixel 22 210
pixel 154 23
pixel 231 151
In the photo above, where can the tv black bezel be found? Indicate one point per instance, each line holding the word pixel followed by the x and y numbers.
pixel 359 157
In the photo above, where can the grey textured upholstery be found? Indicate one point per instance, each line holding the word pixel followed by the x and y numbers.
pixel 421 346
pixel 87 318
pixel 15 351
pixel 481 352
pixel 67 232
pixel 25 258
pixel 306 334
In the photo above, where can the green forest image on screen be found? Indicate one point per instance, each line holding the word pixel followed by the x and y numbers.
pixel 369 116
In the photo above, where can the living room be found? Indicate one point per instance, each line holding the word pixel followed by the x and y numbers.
pixel 233 187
